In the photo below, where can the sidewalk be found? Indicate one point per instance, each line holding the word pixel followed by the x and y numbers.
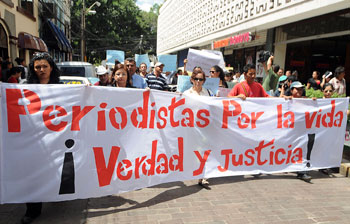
pixel 278 198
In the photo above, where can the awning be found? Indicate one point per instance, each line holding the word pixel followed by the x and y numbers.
pixel 28 41
pixel 58 35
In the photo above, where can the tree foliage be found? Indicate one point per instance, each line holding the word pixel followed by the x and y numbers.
pixel 118 25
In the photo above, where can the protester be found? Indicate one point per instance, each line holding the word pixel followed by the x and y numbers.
pixel 288 73
pixel 22 64
pixel 5 70
pixel 286 90
pixel 102 74
pixel 327 90
pixel 338 81
pixel 137 80
pixel 281 83
pixel 42 70
pixel 175 77
pixel 156 80
pixel 197 80
pixel 273 73
pixel 236 76
pixel 121 78
pixel 143 70
pixel 314 82
pixel 14 75
pixel 326 78
pixel 248 88
pixel 217 72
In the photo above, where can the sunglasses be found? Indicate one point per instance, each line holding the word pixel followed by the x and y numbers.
pixel 198 79
pixel 212 71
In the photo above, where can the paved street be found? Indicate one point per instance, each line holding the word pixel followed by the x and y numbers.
pixel 279 198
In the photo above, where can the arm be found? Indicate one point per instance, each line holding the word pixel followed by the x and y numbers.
pixel 269 63
pixel 323 81
pixel 185 63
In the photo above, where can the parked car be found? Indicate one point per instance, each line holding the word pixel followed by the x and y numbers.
pixel 77 68
pixel 75 80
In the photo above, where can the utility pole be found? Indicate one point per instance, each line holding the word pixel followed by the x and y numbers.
pixel 82 35
pixel 141 44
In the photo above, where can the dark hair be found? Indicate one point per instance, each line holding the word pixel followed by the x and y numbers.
pixel 276 68
pixel 130 60
pixel 143 63
pixel 221 75
pixel 247 67
pixel 128 79
pixel 338 71
pixel 195 67
pixel 116 62
pixel 317 72
pixel 19 60
pixel 326 85
pixel 54 75
pixel 196 73
pixel 14 70
pixel 292 78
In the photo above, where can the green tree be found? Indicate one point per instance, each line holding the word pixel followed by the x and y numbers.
pixel 117 24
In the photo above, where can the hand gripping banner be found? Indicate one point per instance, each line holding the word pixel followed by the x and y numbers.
pixel 64 142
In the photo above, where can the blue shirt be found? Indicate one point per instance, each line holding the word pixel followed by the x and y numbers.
pixel 138 81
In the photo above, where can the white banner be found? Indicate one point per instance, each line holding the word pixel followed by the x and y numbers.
pixel 63 142
pixel 203 59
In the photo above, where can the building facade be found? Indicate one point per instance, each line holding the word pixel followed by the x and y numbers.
pixel 23 25
pixel 303 35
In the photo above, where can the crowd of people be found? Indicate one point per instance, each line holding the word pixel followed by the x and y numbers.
pixel 276 83
pixel 12 73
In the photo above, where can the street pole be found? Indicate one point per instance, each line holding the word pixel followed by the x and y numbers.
pixel 82 37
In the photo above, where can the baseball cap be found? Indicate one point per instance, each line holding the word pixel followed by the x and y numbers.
pixel 328 74
pixel 158 64
pixel 296 84
pixel 101 70
pixel 282 78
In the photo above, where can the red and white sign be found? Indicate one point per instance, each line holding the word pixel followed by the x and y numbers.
pixel 63 142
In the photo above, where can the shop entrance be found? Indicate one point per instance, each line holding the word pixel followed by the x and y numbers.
pixel 321 55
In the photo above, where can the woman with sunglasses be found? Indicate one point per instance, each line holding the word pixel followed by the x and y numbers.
pixel 217 72
pixel 197 80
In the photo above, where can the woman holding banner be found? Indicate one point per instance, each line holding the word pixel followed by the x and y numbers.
pixel 42 70
pixel 121 78
pixel 197 80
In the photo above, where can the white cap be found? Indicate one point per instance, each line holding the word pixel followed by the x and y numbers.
pixel 101 70
pixel 158 64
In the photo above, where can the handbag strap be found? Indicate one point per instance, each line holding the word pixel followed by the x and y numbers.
pixel 244 89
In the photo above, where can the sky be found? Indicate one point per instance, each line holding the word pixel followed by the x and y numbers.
pixel 147 4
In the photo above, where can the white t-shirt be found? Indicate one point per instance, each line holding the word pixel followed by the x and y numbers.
pixel 204 92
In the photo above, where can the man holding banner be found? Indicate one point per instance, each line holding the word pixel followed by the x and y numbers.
pixel 248 88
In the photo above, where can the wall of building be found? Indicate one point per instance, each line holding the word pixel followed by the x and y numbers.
pixel 183 24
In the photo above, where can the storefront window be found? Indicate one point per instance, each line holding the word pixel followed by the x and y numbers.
pixel 330 23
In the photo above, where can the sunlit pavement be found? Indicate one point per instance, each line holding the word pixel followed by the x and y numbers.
pixel 278 198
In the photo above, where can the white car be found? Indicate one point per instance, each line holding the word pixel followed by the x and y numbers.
pixel 75 80
pixel 77 68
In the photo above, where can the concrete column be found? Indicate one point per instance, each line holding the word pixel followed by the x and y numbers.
pixel 280 55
